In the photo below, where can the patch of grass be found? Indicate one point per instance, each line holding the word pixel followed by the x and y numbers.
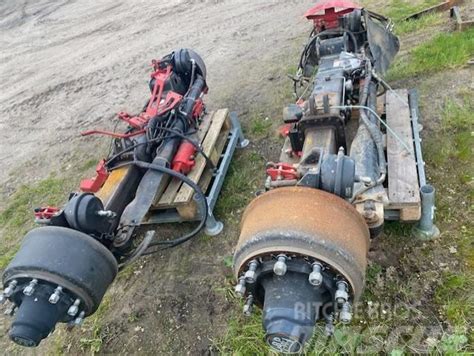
pixel 244 175
pixel 449 149
pixel 398 10
pixel 409 26
pixel 94 325
pixel 17 218
pixel 259 126
pixel 456 129
pixel 453 344
pixel 445 51
pixel 244 335
pixel 454 296
pixel 127 273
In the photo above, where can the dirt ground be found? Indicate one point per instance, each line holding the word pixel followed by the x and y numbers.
pixel 68 66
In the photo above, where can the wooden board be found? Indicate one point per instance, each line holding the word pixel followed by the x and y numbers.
pixel 212 134
pixel 403 186
pixel 189 210
pixel 186 193
pixel 170 193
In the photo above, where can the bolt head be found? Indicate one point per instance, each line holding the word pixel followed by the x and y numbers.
pixel 80 319
pixel 250 276
pixel 247 310
pixel 28 291
pixel 345 316
pixel 240 289
pixel 8 291
pixel 280 268
pixel 73 309
pixel 341 296
pixel 329 329
pixel 10 311
pixel 315 279
pixel 54 298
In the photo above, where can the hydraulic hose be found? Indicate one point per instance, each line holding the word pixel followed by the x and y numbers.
pixel 185 180
pixel 193 94
pixel 367 98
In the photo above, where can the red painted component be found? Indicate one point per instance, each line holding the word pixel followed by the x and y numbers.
pixel 284 130
pixel 279 171
pixel 157 105
pixel 94 184
pixel 198 109
pixel 326 14
pixel 183 161
pixel 137 122
pixel 170 102
pixel 45 213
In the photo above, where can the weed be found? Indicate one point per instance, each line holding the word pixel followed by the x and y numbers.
pixel 398 10
pixel 17 218
pixel 259 126
pixel 457 127
pixel 127 273
pixel 409 26
pixel 241 181
pixel 94 326
pixel 452 344
pixel 244 335
pixel 445 51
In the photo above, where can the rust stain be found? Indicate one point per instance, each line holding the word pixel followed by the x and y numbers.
pixel 324 217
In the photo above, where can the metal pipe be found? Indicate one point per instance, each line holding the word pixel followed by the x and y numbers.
pixel 425 229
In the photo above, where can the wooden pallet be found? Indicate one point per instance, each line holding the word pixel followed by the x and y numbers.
pixel 212 134
pixel 403 185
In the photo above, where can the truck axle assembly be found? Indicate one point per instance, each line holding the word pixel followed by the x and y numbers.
pixel 301 254
pixel 63 269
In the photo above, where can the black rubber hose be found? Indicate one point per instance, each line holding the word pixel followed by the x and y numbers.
pixel 176 134
pixel 193 94
pixel 185 180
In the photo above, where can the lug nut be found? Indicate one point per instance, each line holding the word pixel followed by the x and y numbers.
pixel 251 274
pixel 248 307
pixel 10 288
pixel 316 278
pixel 73 309
pixel 54 298
pixel 345 315
pixel 280 268
pixel 329 328
pixel 240 287
pixel 30 288
pixel 10 311
pixel 341 295
pixel 80 319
